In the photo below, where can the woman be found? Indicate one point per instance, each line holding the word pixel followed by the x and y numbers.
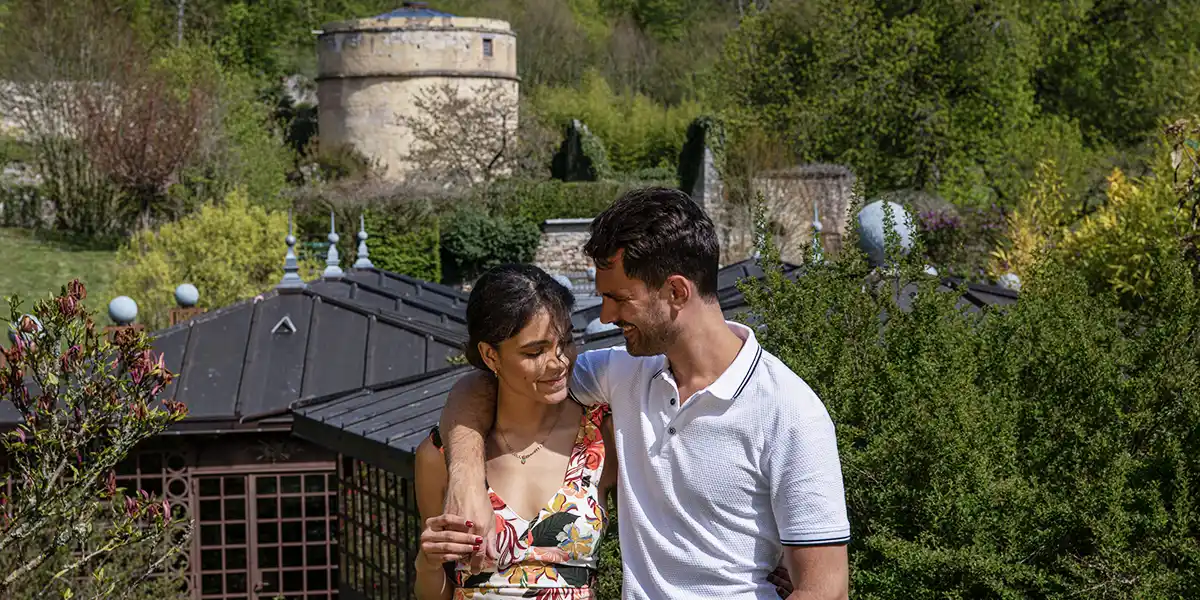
pixel 548 524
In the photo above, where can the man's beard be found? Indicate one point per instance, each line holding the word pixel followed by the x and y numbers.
pixel 652 338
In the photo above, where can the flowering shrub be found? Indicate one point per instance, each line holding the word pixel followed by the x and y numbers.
pixel 957 241
pixel 82 403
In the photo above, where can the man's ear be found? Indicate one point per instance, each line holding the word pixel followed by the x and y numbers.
pixel 678 290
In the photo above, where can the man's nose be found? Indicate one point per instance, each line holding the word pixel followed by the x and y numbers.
pixel 608 311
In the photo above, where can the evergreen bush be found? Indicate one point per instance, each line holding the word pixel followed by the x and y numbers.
pixel 1046 449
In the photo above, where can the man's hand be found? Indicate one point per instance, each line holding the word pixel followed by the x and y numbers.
pixel 781 580
pixel 469 414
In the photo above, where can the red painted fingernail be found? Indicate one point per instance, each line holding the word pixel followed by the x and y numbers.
pixel 478 540
pixel 470 524
pixel 477 547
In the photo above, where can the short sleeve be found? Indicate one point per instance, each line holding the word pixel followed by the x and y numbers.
pixel 802 465
pixel 589 384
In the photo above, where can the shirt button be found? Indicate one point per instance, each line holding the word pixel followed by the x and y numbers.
pixel 672 402
pixel 671 431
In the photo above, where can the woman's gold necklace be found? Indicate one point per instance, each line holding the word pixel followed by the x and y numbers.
pixel 539 445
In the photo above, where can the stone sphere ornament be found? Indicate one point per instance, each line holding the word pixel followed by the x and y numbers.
pixel 122 310
pixel 187 295
pixel 565 281
pixel 872 236
pixel 595 326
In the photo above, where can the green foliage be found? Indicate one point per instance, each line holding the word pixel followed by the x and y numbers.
pixel 1041 450
pixel 82 403
pixel 948 96
pixel 37 265
pixel 230 251
pixel 608 578
pixel 537 201
pixel 636 132
pixel 401 222
pixel 474 241
pixel 403 246
pixel 243 146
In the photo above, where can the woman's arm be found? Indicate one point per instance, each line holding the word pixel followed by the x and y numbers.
pixel 431 477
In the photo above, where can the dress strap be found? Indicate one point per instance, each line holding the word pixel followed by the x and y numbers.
pixel 435 436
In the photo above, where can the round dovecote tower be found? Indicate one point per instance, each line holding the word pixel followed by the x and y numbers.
pixel 370 71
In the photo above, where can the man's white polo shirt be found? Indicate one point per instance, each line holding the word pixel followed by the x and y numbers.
pixel 710 491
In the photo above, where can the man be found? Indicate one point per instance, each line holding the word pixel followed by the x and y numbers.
pixel 728 460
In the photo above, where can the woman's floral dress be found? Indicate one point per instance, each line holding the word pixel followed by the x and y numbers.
pixel 554 556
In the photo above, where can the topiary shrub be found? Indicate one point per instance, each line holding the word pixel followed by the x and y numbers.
pixel 401 224
pixel 473 241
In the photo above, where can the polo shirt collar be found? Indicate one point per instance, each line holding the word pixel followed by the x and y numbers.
pixel 737 376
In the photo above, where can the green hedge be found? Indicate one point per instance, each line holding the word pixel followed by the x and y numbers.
pixel 538 201
pixel 1048 449
pixel 402 225
pixel 474 241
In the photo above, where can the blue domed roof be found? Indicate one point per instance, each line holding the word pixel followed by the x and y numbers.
pixel 411 10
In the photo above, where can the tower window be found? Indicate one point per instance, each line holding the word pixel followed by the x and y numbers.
pixel 487 47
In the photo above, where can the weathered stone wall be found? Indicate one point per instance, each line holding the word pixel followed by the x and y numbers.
pixel 370 71
pixel 561 248
pixel 790 196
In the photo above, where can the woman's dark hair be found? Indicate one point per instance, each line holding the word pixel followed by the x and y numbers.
pixel 504 300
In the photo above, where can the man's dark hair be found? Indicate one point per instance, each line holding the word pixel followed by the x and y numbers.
pixel 663 233
pixel 503 301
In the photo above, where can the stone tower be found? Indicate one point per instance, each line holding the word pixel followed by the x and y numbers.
pixel 371 70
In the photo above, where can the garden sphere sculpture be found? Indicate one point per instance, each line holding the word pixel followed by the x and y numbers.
pixel 872 236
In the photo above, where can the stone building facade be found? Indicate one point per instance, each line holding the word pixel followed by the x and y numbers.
pixel 370 71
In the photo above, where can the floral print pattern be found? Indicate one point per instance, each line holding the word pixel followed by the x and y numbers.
pixel 554 556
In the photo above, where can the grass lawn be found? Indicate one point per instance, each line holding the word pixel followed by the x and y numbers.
pixel 34 268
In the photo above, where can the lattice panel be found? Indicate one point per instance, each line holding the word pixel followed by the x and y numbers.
pixel 296 548
pixel 380 525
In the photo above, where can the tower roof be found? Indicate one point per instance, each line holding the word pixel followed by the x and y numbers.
pixel 410 10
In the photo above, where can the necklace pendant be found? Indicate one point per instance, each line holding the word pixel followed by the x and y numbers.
pixel 522 460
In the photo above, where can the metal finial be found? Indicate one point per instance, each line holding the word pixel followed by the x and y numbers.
pixel 291 267
pixel 332 268
pixel 816 229
pixel 363 262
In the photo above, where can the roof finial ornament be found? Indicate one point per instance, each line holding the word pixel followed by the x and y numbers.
pixel 331 260
pixel 363 261
pixel 816 229
pixel 291 267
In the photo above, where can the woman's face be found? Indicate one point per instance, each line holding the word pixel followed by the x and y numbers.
pixel 533 363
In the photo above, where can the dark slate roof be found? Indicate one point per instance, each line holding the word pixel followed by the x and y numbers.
pixel 384 425
pixel 395 301
pixel 405 285
pixel 245 362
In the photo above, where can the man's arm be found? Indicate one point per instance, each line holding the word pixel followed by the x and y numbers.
pixel 469 414
pixel 807 497
pixel 818 572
